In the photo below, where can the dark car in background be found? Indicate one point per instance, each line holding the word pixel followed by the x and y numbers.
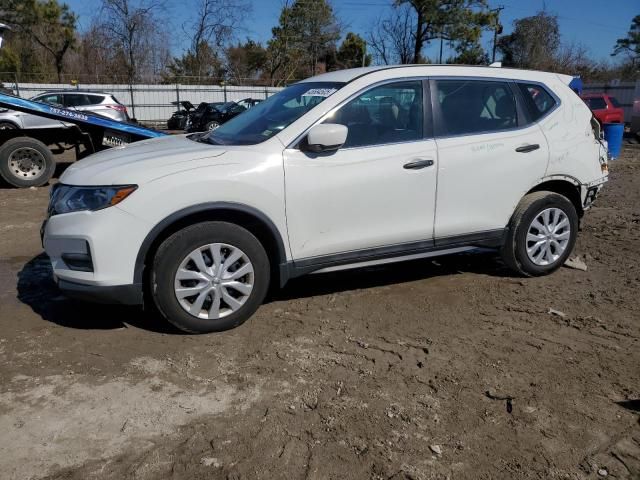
pixel 215 114
pixel 604 107
pixel 179 118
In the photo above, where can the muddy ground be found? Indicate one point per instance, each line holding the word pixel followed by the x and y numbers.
pixel 439 369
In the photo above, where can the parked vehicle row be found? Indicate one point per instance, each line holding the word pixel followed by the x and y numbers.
pixel 346 169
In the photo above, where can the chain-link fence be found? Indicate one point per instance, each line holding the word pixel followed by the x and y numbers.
pixel 151 102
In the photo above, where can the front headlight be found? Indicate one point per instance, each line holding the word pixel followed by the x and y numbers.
pixel 69 198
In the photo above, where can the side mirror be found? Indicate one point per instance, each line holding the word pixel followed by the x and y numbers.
pixel 326 137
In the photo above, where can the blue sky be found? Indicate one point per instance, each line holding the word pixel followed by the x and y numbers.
pixel 596 24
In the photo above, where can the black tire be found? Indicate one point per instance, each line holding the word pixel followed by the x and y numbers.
pixel 175 248
pixel 26 178
pixel 212 125
pixel 514 251
pixel 8 126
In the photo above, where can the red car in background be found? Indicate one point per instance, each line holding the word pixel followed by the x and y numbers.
pixel 604 107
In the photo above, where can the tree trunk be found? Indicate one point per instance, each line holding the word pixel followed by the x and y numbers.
pixel 419 39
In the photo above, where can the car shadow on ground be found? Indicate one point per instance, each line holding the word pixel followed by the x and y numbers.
pixel 37 289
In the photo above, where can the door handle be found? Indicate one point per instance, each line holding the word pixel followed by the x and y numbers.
pixel 528 148
pixel 418 164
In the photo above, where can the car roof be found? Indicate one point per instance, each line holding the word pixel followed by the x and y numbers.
pixel 348 75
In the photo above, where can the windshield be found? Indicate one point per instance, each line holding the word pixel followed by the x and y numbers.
pixel 272 115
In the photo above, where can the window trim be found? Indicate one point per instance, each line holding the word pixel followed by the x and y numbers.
pixel 427 122
pixel 552 94
pixel 520 107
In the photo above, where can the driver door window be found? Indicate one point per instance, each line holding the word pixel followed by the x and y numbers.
pixel 389 113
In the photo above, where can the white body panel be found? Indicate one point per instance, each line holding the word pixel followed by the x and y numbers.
pixel 359 198
pixel 481 178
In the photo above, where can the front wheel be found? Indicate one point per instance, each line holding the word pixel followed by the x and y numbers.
pixel 542 234
pixel 212 125
pixel 210 277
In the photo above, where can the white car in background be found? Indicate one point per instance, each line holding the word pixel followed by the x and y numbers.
pixel 345 169
pixel 98 103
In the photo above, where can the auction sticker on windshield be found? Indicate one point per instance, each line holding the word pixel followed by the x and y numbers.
pixel 319 92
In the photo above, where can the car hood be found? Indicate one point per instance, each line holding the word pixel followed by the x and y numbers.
pixel 141 162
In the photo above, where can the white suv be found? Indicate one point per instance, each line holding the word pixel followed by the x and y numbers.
pixel 342 170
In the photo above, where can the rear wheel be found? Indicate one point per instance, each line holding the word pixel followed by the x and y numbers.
pixel 8 126
pixel 26 162
pixel 209 277
pixel 212 125
pixel 542 234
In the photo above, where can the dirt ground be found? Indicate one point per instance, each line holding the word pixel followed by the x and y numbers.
pixel 440 369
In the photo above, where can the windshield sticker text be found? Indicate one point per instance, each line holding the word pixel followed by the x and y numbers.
pixel 319 92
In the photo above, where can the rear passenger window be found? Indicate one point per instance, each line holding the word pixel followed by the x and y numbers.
pixel 76 100
pixel 537 99
pixel 389 113
pixel 475 106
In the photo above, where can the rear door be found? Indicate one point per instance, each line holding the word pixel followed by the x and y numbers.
pixel 489 157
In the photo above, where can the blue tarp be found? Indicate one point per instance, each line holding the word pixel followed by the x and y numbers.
pixel 576 85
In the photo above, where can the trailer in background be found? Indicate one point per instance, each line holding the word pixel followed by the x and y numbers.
pixel 26 158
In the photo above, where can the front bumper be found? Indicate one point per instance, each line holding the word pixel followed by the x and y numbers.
pixel 93 254
pixel 112 294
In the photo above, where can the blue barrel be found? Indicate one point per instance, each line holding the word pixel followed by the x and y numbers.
pixel 613 133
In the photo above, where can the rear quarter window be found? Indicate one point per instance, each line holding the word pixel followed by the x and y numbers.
pixel 537 100
pixel 95 99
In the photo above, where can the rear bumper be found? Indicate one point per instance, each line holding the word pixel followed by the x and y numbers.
pixel 112 294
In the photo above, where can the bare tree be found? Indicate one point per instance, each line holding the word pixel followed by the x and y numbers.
pixel 132 25
pixel 391 38
pixel 216 24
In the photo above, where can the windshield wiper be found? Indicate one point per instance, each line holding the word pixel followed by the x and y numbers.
pixel 202 138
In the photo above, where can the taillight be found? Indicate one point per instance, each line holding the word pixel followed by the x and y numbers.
pixel 120 108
